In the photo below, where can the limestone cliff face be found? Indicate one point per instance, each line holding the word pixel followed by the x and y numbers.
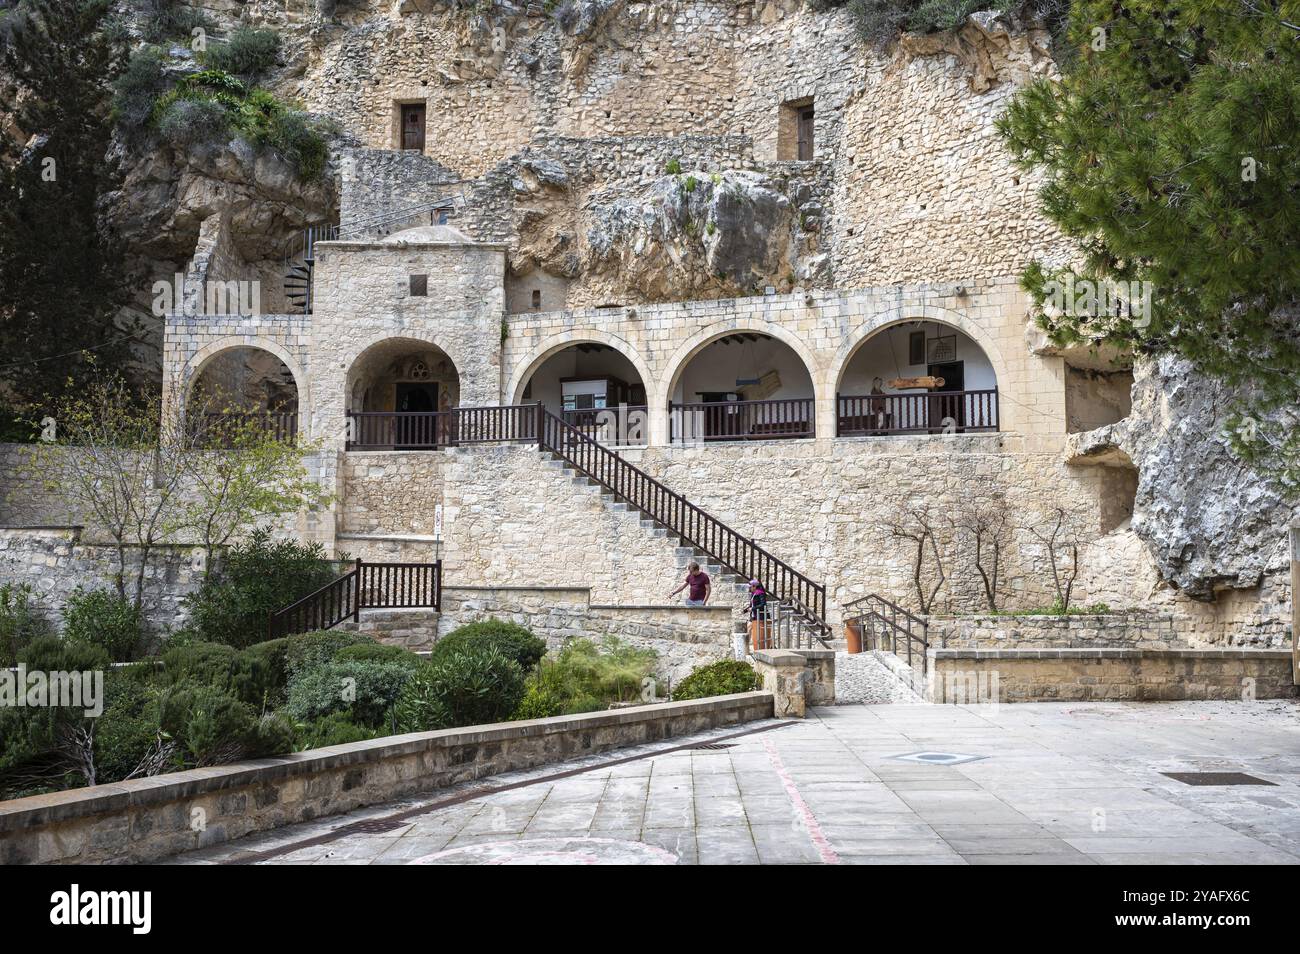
pixel 1209 521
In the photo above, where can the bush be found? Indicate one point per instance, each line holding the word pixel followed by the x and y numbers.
pixel 191 122
pixel 52 654
pixel 128 731
pixel 249 52
pixel 20 623
pixel 102 617
pixel 378 652
pixel 584 677
pixel 256 676
pixel 310 650
pixel 366 690
pixel 514 641
pixel 137 89
pixel 211 727
pixel 472 685
pixel 257 578
pixel 337 728
pixel 167 20
pixel 717 679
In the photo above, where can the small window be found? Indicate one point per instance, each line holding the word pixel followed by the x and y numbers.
pixel 419 286
pixel 794 131
pixel 537 299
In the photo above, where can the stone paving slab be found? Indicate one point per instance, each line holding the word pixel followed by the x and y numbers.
pixel 1076 783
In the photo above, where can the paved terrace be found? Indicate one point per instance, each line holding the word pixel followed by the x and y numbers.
pixel 1052 784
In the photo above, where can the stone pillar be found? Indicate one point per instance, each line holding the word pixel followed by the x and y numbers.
pixel 819 683
pixel 783 674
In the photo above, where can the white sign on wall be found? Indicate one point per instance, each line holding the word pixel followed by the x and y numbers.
pixel 437 522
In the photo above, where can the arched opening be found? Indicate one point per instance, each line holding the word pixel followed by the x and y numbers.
pixel 743 385
pixel 399 395
pixel 917 377
pixel 595 388
pixel 241 393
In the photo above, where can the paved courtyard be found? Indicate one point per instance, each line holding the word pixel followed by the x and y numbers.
pixel 1043 784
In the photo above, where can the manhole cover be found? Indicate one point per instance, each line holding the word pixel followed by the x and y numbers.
pixel 938 758
pixel 1216 778
pixel 715 745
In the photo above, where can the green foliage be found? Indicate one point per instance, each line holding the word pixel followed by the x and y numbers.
pixel 337 728
pixel 102 617
pixel 514 641
pixel 469 685
pixel 128 731
pixel 170 20
pixel 249 52
pixel 673 167
pixel 1170 149
pixel 879 22
pixel 717 679
pixel 256 675
pixel 210 727
pixel 378 652
pixel 256 578
pixel 365 690
pixel 62 271
pixel 138 88
pixel 20 621
pixel 309 650
pixel 584 677
pixel 54 654
pixel 689 185
pixel 192 122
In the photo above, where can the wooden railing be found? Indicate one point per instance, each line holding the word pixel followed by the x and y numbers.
pixel 736 553
pixel 923 412
pixel 365 586
pixel 625 425
pixel 228 428
pixel 741 420
pixel 885 623
pixel 427 430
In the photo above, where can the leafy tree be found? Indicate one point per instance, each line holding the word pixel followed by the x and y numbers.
pixel 1171 148
pixel 61 271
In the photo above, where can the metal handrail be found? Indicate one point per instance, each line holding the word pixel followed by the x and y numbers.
pixel 734 552
pixel 876 608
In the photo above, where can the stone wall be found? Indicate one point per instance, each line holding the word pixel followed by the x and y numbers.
pixel 55 561
pixel 1081 631
pixel 149 819
pixel 1133 675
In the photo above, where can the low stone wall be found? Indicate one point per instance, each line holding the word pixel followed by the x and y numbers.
pixel 147 819
pixel 54 562
pixel 1091 631
pixel 796 678
pixel 1072 675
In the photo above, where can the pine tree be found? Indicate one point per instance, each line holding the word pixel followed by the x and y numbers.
pixel 61 273
pixel 1171 147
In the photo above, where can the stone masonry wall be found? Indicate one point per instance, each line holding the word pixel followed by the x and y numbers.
pixel 1083 631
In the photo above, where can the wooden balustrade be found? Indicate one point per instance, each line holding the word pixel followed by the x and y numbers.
pixel 923 412
pixel 742 420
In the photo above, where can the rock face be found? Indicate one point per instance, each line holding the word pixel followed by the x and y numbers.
pixel 694 232
pixel 1209 520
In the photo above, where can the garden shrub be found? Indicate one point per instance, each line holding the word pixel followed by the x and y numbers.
pixel 103 617
pixel 306 651
pixel 337 728
pixel 256 675
pixel 20 622
pixel 211 727
pixel 249 52
pixel 585 677
pixel 717 679
pixel 470 685
pixel 513 640
pixel 129 729
pixel 170 20
pixel 372 651
pixel 54 654
pixel 366 690
pixel 257 578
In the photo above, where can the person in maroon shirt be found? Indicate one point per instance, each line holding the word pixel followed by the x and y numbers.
pixel 698 584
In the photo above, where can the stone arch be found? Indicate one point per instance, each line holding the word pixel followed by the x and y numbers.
pixel 195 365
pixel 693 345
pixel 553 345
pixel 834 371
pixel 393 346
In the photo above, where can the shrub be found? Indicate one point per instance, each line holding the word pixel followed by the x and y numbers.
pixel 20 622
pixel 249 52
pixel 584 677
pixel 514 641
pixel 102 617
pixel 366 690
pixel 191 122
pixel 52 654
pixel 256 675
pixel 211 727
pixel 378 652
pixel 137 89
pixel 128 732
pixel 673 167
pixel 717 679
pixel 169 20
pixel 337 728
pixel 472 685
pixel 257 578
pixel 310 650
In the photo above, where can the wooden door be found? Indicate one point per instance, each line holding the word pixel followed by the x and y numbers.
pixel 806 134
pixel 413 126
pixel 953 406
